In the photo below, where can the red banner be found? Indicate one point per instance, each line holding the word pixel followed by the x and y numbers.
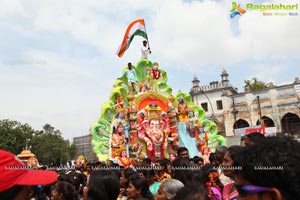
pixel 251 130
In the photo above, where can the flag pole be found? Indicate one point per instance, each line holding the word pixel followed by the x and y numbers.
pixel 147 35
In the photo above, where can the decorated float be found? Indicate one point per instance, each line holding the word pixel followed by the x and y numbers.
pixel 145 119
pixel 142 118
pixel 28 158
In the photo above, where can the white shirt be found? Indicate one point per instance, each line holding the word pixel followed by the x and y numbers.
pixel 145 52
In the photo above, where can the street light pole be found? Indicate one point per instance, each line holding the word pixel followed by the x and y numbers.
pixel 212 109
pixel 234 112
pixel 259 109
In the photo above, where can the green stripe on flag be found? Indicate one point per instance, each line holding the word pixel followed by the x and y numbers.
pixel 137 32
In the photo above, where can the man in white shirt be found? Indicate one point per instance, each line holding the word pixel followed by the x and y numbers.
pixel 145 50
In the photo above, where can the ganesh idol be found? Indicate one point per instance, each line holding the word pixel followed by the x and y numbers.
pixel 153 130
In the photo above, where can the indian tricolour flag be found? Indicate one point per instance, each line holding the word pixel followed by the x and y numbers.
pixel 137 27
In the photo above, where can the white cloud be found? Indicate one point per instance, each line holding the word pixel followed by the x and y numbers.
pixel 268 73
pixel 11 8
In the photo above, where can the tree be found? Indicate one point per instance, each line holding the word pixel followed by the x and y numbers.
pixel 15 136
pixel 50 148
pixel 254 85
pixel 48 145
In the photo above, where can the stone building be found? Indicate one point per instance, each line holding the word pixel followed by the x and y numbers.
pixel 234 112
pixel 212 98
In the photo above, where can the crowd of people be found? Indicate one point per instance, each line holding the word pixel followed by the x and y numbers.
pixel 265 168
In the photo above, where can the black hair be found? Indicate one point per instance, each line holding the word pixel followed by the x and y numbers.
pixel 163 163
pixel 62 177
pixel 212 158
pixel 149 172
pixel 76 179
pixel 128 172
pixel 182 171
pixel 280 153
pixel 207 169
pixel 140 183
pixel 103 184
pixel 147 160
pixel 255 137
pixel 234 151
pixel 196 159
pixel 221 150
pixel 181 149
pixel 66 189
pixel 192 193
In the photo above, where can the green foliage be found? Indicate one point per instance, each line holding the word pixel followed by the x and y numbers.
pixel 254 84
pixel 47 144
pixel 14 135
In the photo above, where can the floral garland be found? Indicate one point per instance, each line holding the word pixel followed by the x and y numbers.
pixel 212 182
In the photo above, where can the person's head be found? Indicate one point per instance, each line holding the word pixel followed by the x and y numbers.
pixel 125 174
pixel 129 65
pixel 14 179
pixel 76 179
pixel 181 170
pixel 220 152
pixel 183 152
pixel 149 175
pixel 198 161
pixel 229 163
pixel 161 165
pixel 191 193
pixel 168 189
pixel 213 159
pixel 271 167
pixel 85 192
pixel 138 188
pixel 134 162
pixel 109 163
pixel 146 162
pixel 103 184
pixel 89 168
pixel 210 176
pixel 63 190
pixel 253 138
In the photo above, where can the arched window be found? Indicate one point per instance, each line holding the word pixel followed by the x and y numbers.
pixel 240 124
pixel 268 122
pixel 290 124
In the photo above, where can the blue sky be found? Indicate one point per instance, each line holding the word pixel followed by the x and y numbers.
pixel 58 62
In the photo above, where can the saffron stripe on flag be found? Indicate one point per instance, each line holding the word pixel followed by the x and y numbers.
pixel 137 27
